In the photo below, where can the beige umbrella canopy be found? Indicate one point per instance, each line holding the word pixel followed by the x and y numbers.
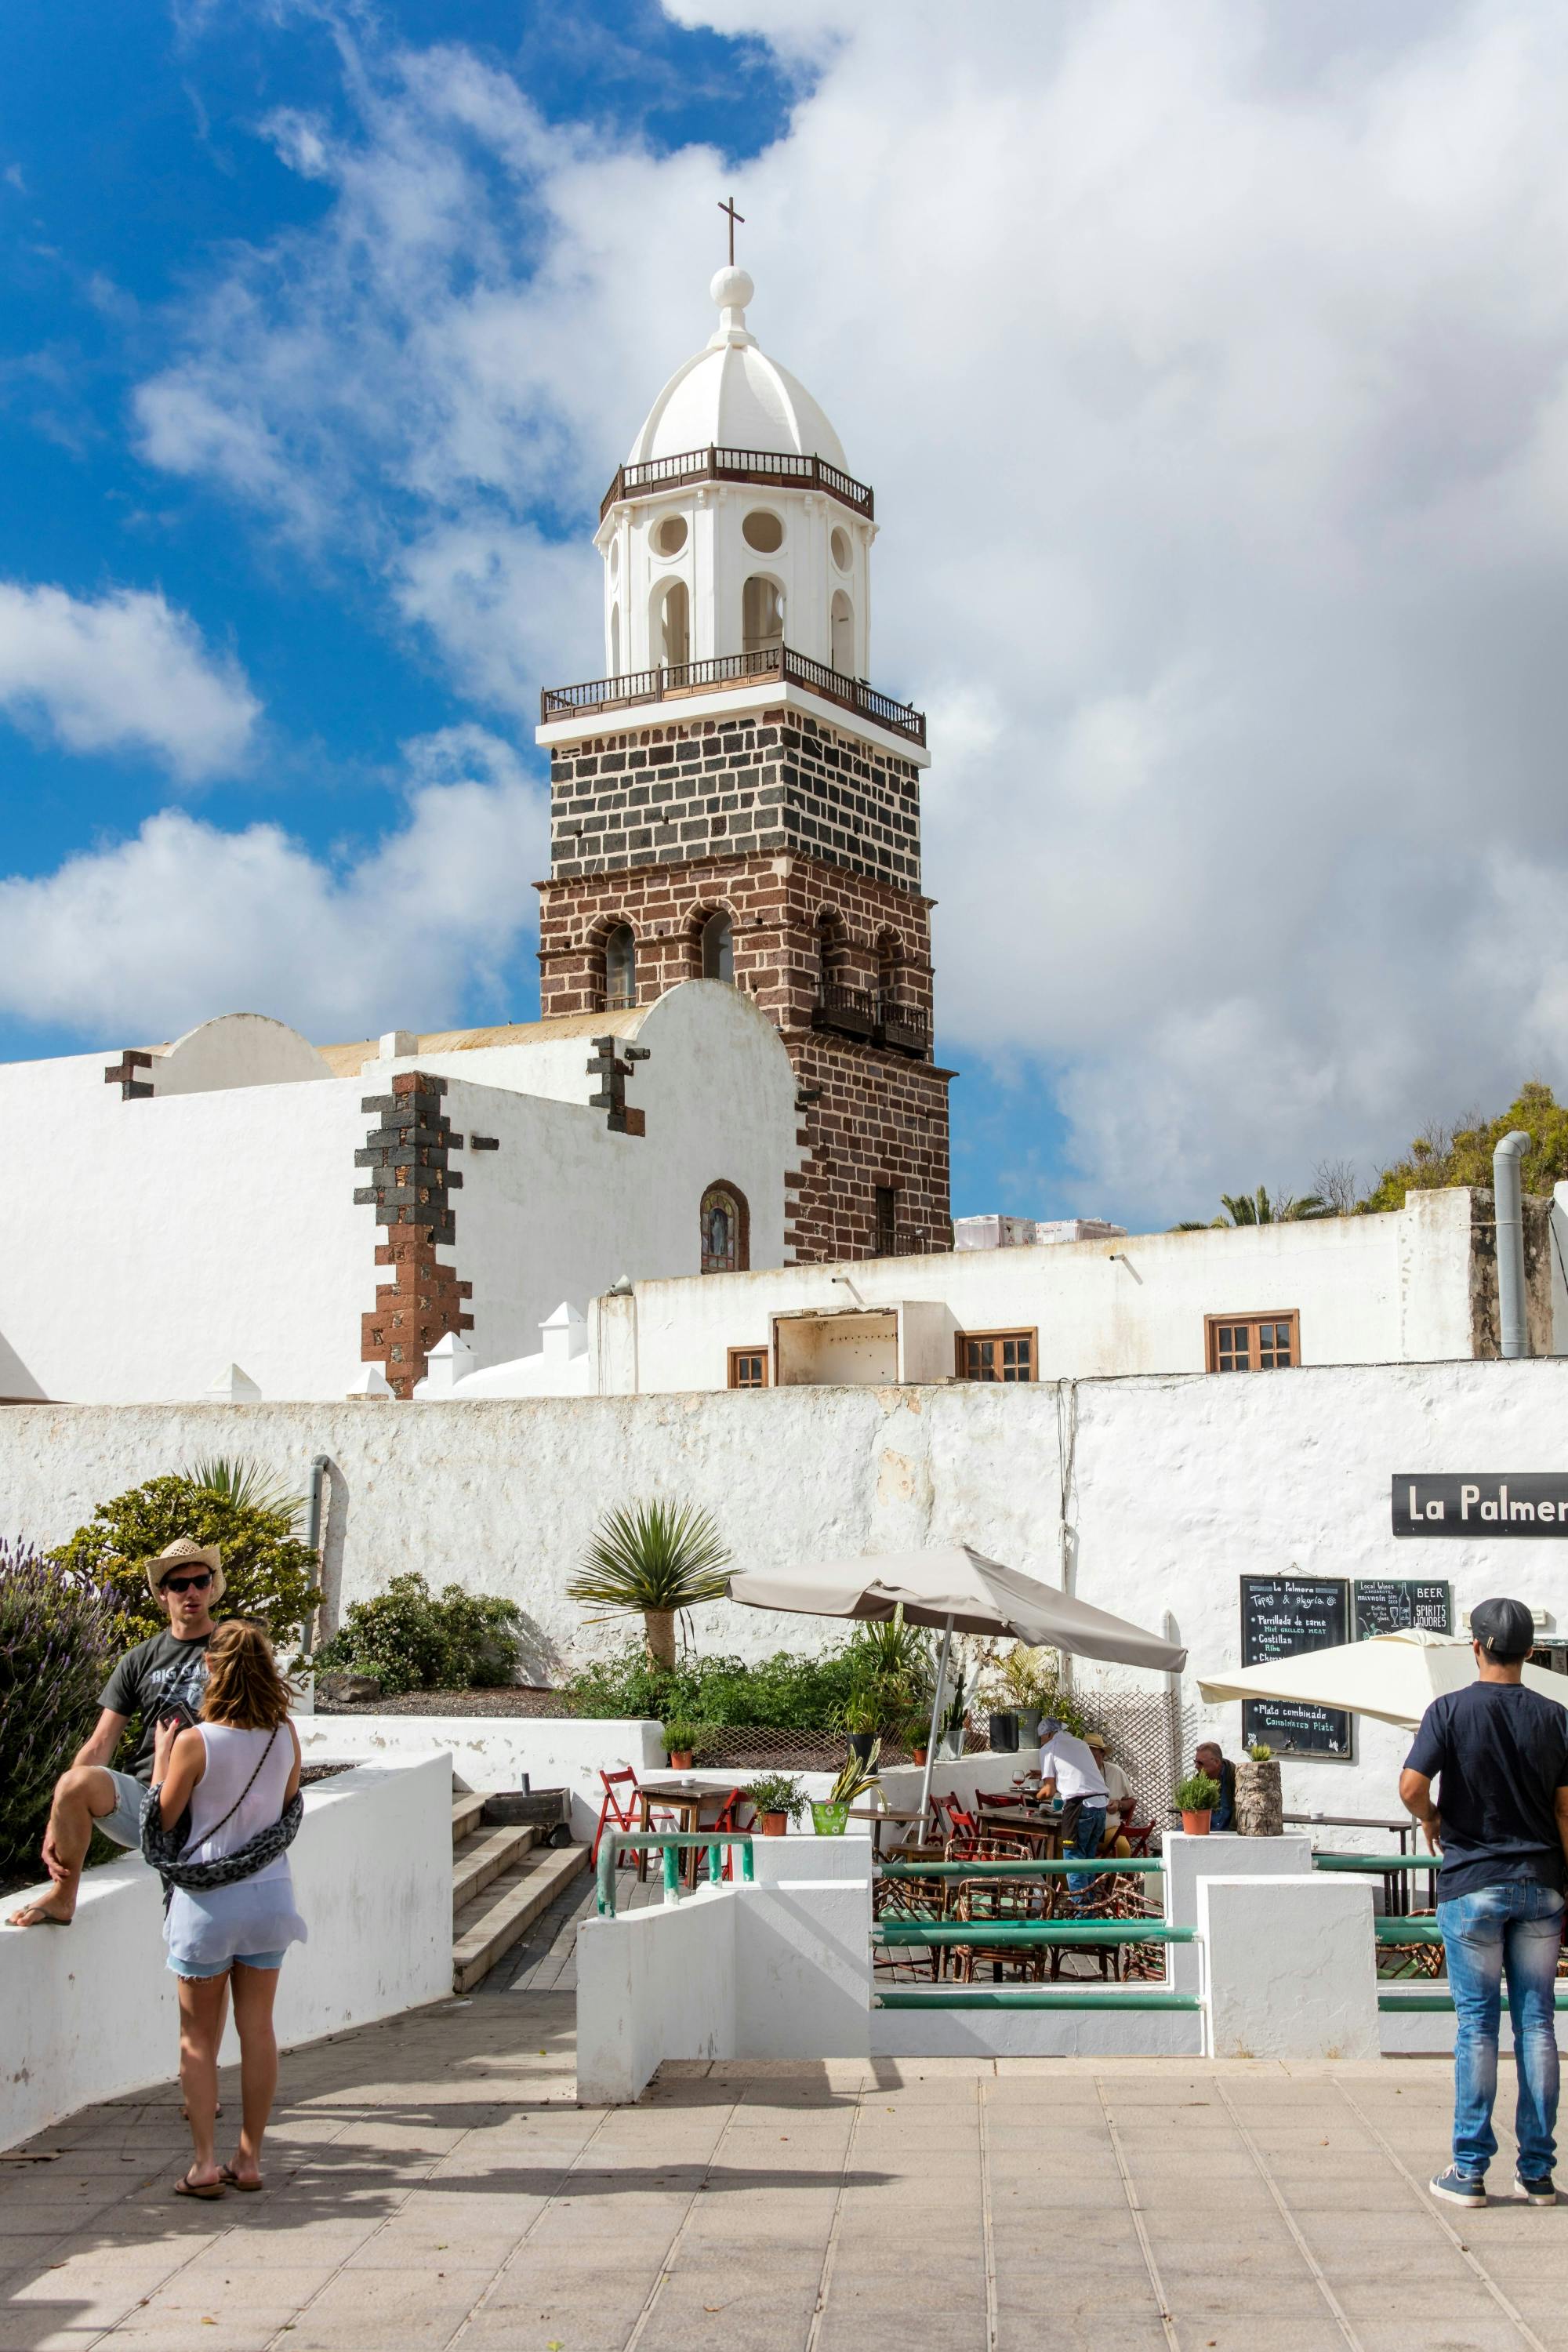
pixel 1394 1677
pixel 960 1590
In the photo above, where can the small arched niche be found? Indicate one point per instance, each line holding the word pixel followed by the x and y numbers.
pixel 761 614
pixel 890 964
pixel 842 625
pixel 620 968
pixel 614 640
pixel 726 1230
pixel 717 944
pixel 670 633
pixel 830 945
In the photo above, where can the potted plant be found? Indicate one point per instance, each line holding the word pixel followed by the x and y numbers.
pixel 829 1813
pixel 777 1801
pixel 917 1737
pixel 680 1743
pixel 1260 1798
pixel 1196 1796
pixel 862 1723
pixel 954 1724
pixel 1002 1731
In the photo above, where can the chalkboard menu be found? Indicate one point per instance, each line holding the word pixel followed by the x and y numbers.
pixel 1388 1604
pixel 1280 1617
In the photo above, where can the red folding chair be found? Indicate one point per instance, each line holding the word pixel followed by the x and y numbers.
pixel 613 1815
pixel 963 1830
pixel 1138 1834
pixel 727 1818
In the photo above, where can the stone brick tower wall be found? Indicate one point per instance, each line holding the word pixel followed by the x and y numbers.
pixel 809 838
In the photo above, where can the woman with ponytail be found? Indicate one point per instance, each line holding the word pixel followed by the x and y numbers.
pixel 238 1773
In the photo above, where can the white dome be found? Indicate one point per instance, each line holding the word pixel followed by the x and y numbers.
pixel 730 395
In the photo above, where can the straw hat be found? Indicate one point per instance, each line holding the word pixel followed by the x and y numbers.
pixel 1097 1739
pixel 183 1552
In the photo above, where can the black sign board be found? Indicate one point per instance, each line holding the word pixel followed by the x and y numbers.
pixel 1388 1604
pixel 1481 1503
pixel 1280 1617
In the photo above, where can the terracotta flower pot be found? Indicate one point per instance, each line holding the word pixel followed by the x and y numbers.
pixel 917 1755
pixel 776 1825
pixel 681 1758
pixel 1197 1824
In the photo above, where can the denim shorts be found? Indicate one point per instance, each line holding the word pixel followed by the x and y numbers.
pixel 199 1972
pixel 123 1825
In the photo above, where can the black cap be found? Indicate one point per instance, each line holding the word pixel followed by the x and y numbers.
pixel 1505 1629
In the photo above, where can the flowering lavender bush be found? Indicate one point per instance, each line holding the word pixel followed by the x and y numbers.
pixel 59 1633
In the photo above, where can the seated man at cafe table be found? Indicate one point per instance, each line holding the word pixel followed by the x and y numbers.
pixel 1210 1759
pixel 1069 1769
pixel 1120 1800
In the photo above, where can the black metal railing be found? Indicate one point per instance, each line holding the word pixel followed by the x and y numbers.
pixel 714 465
pixel 734 670
pixel 859 1012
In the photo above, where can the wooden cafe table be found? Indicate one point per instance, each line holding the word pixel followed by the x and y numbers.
pixel 685 1799
pixel 1043 1831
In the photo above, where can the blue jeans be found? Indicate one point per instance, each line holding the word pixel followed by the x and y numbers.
pixel 1514 1929
pixel 1088 1837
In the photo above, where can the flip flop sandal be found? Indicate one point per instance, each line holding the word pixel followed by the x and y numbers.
pixel 231 2180
pixel 205 2190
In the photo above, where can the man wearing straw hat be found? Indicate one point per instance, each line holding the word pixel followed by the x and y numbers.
pixel 162 1677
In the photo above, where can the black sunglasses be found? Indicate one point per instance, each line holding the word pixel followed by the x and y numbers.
pixel 187 1583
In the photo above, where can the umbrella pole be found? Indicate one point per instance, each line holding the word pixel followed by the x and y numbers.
pixel 935 1720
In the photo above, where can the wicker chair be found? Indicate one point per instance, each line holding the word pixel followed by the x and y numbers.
pixel 994 1900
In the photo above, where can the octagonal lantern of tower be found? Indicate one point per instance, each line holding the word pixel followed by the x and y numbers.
pixel 698 567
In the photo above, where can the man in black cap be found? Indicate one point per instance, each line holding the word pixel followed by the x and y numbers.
pixel 1501 1824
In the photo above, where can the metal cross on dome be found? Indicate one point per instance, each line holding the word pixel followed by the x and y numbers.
pixel 728 206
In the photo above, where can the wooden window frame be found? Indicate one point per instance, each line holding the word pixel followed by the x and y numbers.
pixel 762 1354
pixel 1288 1315
pixel 1016 1331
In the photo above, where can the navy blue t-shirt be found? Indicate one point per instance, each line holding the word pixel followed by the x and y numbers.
pixel 1502 1754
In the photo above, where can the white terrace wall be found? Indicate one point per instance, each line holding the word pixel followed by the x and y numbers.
pixel 1390 1288
pixel 1173 1489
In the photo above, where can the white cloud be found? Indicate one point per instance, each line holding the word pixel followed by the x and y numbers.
pixel 137 939
pixel 1211 366
pixel 123 673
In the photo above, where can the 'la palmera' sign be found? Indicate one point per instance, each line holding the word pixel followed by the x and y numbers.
pixel 1481 1503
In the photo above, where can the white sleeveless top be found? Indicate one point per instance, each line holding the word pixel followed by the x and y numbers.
pixel 256 1914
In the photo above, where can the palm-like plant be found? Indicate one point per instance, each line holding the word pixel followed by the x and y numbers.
pixel 656 1559
pixel 244 1484
pixel 1258 1209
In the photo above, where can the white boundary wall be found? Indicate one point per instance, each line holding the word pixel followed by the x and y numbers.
pixel 91 2011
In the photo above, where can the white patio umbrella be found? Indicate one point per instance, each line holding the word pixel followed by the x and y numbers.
pixel 1394 1677
pixel 961 1591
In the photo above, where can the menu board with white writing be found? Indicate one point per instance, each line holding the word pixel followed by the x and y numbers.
pixel 1281 1616
pixel 1388 1604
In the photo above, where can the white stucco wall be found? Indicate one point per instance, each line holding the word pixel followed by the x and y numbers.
pixel 168 1238
pixel 1389 1288
pixel 1178 1488
pixel 91 2012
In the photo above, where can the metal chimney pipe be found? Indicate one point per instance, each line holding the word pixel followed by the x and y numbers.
pixel 1510 1211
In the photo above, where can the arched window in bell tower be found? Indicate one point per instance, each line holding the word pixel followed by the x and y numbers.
pixel 761 614
pixel 842 620
pixel 620 969
pixel 717 948
pixel 614 640
pixel 726 1234
pixel 671 630
pixel 829 953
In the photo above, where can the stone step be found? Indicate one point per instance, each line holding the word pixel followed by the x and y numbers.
pixel 482 1858
pixel 466 1811
pixel 486 1929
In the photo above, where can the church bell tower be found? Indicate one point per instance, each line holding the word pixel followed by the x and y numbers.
pixel 733 801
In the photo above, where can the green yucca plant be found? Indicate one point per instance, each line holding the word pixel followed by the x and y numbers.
pixel 656 1559
pixel 244 1484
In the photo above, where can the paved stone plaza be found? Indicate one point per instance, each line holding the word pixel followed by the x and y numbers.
pixel 434 2183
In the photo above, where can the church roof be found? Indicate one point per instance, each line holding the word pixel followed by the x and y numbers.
pixel 730 395
pixel 348 1061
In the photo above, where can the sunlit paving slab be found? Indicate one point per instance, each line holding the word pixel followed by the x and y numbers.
pixel 433 2183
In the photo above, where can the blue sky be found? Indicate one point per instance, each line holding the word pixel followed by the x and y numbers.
pixel 1213 381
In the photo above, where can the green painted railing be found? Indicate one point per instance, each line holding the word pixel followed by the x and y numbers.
pixel 1440 2000
pixel 1089 1934
pixel 671 1844
pixel 1032 1997
pixel 1420 1928
pixel 1379 1863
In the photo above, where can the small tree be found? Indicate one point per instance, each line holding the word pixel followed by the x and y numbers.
pixel 270 1574
pixel 413 1638
pixel 654 1559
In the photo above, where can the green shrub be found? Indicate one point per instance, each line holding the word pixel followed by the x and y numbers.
pixel 59 1634
pixel 269 1573
pixel 410 1639
pixel 793 1692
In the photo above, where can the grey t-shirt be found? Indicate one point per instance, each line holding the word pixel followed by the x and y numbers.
pixel 148 1679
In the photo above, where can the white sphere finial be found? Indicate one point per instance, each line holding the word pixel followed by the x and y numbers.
pixel 731 287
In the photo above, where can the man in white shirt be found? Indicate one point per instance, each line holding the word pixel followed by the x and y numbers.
pixel 1068 1771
